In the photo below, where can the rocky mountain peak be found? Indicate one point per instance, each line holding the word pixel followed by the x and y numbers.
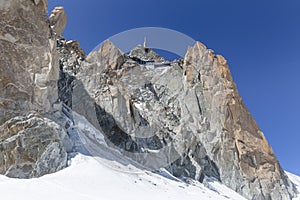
pixel 145 54
pixel 185 117
pixel 194 108
pixel 108 53
pixel 199 59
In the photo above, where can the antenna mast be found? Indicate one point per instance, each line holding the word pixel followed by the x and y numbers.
pixel 145 42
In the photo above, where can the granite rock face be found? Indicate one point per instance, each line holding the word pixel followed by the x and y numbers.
pixel 233 139
pixel 28 60
pixel 31 146
pixel 58 20
pixel 70 59
pixel 185 115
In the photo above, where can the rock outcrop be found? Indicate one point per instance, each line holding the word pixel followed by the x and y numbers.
pixel 70 59
pixel 233 139
pixel 186 116
pixel 28 59
pixel 58 20
pixel 31 146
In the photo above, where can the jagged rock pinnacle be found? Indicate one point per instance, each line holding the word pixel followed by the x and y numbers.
pixel 194 107
pixel 185 116
pixel 58 20
pixel 145 54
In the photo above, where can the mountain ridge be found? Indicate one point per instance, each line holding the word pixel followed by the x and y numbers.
pixel 205 74
pixel 187 117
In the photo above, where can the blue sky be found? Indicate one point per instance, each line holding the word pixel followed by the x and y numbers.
pixel 259 38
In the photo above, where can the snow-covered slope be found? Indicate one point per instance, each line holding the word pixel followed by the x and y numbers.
pixel 88 179
pixel 296 180
pixel 109 177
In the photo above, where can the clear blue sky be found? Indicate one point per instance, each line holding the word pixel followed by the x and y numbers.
pixel 259 38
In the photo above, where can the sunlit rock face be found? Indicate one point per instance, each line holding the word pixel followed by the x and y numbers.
pixel 32 146
pixel 233 139
pixel 29 70
pixel 58 20
pixel 184 115
pixel 28 59
pixel 191 113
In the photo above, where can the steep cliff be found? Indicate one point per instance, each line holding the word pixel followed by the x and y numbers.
pixel 30 146
pixel 185 115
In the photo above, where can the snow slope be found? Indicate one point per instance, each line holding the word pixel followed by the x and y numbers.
pixel 108 176
pixel 88 179
pixel 296 180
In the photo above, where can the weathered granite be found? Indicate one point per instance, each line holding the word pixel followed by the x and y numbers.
pixel 70 58
pixel 187 117
pixel 28 60
pixel 31 146
pixel 233 140
pixel 58 20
